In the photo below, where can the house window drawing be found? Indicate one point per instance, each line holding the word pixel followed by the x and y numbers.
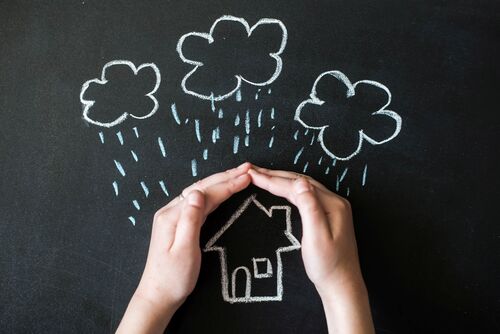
pixel 246 272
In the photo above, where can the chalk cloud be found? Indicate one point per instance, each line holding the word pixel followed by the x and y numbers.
pixel 103 81
pixel 238 76
pixel 351 89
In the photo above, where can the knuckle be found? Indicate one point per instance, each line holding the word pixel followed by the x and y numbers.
pixel 161 216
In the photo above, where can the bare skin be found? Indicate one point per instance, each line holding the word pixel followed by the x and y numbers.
pixel 328 243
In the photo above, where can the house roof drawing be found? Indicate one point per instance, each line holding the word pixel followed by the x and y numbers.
pixel 212 246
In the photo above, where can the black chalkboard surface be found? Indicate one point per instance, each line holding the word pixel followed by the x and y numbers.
pixel 109 109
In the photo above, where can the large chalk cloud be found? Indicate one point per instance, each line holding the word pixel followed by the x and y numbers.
pixel 340 135
pixel 272 36
pixel 123 90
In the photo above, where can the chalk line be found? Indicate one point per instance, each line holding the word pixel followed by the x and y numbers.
pixel 173 109
pixel 247 122
pixel 163 187
pixel 271 142
pixel 297 156
pixel 194 167
pixel 162 147
pixel 237 120
pixel 101 137
pixel 145 189
pixel 119 167
pixel 136 132
pixel 197 129
pixel 205 154
pixel 115 187
pixel 259 119
pixel 120 137
pixel 132 220
pixel 247 140
pixel 238 95
pixel 305 167
pixel 236 143
pixel 136 204
pixel 134 155
pixel 363 179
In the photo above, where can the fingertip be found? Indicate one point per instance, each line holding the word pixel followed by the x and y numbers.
pixel 245 166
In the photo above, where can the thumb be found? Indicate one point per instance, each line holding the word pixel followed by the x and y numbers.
pixel 314 221
pixel 191 218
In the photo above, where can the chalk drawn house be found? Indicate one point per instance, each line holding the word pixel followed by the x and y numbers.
pixel 256 266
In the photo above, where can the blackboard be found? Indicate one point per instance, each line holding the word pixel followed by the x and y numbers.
pixel 80 181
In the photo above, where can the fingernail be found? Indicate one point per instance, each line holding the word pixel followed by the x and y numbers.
pixel 302 186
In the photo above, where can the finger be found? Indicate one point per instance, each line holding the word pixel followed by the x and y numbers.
pixel 315 225
pixel 276 185
pixel 190 220
pixel 290 175
pixel 211 180
pixel 218 193
pixel 303 196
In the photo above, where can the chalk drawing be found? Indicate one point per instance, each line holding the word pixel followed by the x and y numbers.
pixel 194 167
pixel 312 139
pixel 348 192
pixel 327 170
pixel 247 140
pixel 297 156
pixel 173 110
pixel 115 187
pixel 136 204
pixel 247 122
pixel 120 137
pixel 351 90
pixel 221 113
pixel 271 142
pixel 136 132
pixel 119 167
pixel 101 137
pixel 238 95
pixel 134 155
pixel 363 179
pixel 257 273
pixel 272 113
pixel 305 167
pixel 145 189
pixel 230 295
pixel 344 173
pixel 162 147
pixel 320 160
pixel 296 135
pixel 132 220
pixel 197 129
pixel 212 102
pixel 163 187
pixel 259 119
pixel 237 120
pixel 239 78
pixel 269 91
pixel 236 143
pixel 87 104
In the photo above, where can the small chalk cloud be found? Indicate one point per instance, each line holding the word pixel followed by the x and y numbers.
pixel 250 54
pixel 347 114
pixel 119 93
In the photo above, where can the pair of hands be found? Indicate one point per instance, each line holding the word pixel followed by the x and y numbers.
pixel 328 243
